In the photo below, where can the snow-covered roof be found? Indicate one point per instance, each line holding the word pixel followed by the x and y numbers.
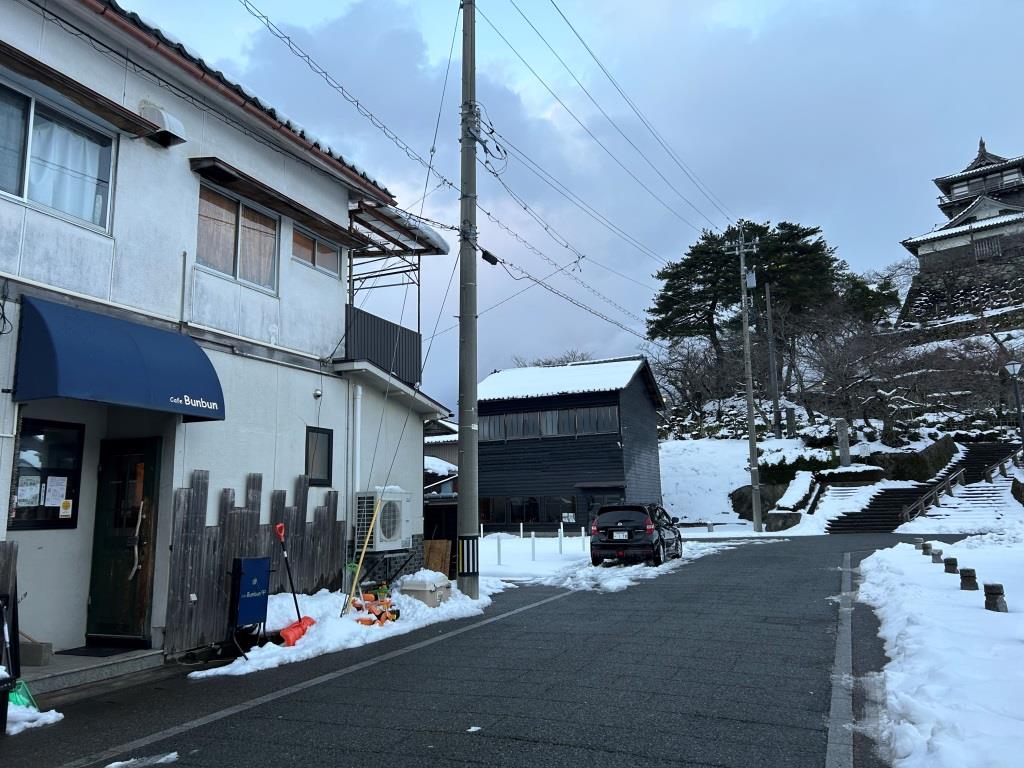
pixel 436 466
pixel 939 234
pixel 980 170
pixel 544 381
pixel 436 439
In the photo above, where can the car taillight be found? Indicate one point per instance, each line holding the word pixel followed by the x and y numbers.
pixel 593 528
pixel 650 525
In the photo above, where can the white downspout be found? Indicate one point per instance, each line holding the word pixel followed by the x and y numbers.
pixel 357 437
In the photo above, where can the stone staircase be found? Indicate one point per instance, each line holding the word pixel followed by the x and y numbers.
pixel 884 511
pixel 975 506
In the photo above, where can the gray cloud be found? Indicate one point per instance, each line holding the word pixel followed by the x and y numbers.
pixel 834 114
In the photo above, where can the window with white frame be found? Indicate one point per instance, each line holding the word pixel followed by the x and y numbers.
pixel 54 160
pixel 316 252
pixel 236 239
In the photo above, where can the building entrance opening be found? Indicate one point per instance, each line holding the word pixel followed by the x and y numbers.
pixel 123 556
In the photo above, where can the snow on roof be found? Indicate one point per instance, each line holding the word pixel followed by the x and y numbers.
pixel 542 381
pixel 992 221
pixel 436 466
pixel 981 170
pixel 435 439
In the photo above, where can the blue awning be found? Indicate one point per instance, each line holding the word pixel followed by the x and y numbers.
pixel 72 353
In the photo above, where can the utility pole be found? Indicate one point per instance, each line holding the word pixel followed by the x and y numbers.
pixel 741 248
pixel 773 378
pixel 468 505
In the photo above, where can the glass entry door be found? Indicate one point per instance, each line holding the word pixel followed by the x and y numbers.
pixel 121 589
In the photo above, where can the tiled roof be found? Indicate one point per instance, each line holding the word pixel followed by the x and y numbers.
pixel 310 143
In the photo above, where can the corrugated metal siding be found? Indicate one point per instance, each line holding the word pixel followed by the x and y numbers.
pixel 549 466
pixel 446 451
pixel 387 345
pixel 638 422
pixel 524 405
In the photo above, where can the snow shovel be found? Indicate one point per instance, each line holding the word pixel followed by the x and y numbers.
pixel 294 631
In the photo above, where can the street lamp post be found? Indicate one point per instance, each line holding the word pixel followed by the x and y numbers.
pixel 1013 368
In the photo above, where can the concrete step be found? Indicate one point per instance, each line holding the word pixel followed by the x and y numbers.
pixel 71 671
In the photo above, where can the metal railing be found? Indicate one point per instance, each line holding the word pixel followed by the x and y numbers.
pixel 1016 458
pixel 933 498
pixel 391 347
pixel 979 189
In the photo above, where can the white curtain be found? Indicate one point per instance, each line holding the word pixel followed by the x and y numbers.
pixel 69 170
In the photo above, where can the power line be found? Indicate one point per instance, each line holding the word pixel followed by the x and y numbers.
pixel 611 121
pixel 538 170
pixel 589 132
pixel 690 174
pixel 317 69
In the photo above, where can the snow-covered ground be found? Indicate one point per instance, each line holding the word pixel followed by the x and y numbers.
pixel 976 508
pixel 697 477
pixel 537 561
pixel 952 690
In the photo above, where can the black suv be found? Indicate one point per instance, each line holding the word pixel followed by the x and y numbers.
pixel 634 533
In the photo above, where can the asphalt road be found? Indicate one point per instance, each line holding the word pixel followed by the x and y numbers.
pixel 725 662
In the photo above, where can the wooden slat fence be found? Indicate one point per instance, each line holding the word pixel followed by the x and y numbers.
pixel 202 555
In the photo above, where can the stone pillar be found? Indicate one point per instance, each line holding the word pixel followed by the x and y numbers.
pixel 791 422
pixel 843 437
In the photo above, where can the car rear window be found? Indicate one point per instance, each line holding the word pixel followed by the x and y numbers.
pixel 616 516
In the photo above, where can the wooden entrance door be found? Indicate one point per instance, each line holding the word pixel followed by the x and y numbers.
pixel 121 589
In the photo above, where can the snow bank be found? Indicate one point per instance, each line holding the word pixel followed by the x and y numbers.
pixel 21 718
pixel 952 689
pixel 333 632
pixel 697 477
pixel 796 491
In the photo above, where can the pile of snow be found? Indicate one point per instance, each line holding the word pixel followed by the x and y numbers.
pixel 21 718
pixel 853 469
pixel 952 689
pixel 797 490
pixel 333 632
pixel 143 762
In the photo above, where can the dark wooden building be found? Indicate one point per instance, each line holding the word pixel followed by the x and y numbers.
pixel 557 442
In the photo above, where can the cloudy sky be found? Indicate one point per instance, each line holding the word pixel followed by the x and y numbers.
pixel 835 113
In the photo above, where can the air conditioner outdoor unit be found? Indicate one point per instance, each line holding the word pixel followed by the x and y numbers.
pixel 394 523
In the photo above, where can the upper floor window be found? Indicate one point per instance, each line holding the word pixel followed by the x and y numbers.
pixel 236 239
pixel 959 190
pixel 316 252
pixel 53 160
pixel 563 422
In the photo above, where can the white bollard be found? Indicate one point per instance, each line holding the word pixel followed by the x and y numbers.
pixel 520 530
pixel 561 536
pixel 561 529
pixel 533 545
pixel 583 539
pixel 499 550
pixel 481 530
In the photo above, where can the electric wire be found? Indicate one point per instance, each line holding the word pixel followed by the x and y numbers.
pixel 586 129
pixel 610 120
pixel 317 69
pixel 690 174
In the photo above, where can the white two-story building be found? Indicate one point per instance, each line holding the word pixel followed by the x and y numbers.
pixel 178 267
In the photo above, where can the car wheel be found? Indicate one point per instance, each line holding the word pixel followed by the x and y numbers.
pixel 659 555
pixel 679 549
pixel 596 560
